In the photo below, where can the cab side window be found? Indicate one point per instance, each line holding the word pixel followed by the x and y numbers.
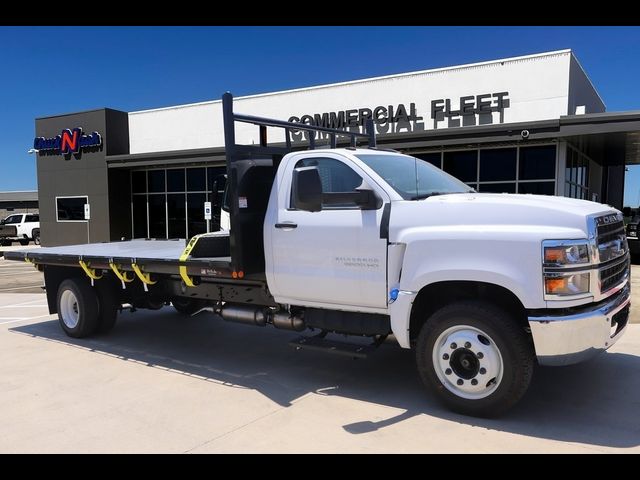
pixel 335 177
pixel 32 218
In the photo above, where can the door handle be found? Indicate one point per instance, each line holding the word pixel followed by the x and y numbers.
pixel 286 225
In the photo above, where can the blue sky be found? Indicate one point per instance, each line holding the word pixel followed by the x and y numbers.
pixel 47 71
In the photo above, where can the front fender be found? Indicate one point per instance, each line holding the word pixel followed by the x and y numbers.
pixel 514 264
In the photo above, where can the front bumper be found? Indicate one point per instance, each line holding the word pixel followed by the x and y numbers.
pixel 573 338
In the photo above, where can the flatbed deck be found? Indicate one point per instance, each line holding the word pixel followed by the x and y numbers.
pixel 153 256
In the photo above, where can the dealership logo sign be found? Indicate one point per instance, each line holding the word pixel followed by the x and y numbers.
pixel 68 142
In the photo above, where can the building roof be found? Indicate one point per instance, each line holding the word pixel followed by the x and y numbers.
pixel 24 196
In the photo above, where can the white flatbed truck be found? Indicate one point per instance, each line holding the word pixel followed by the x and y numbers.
pixel 372 243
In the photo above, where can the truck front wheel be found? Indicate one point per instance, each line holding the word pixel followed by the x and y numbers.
pixel 475 357
pixel 77 308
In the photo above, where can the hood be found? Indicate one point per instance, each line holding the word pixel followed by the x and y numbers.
pixel 542 212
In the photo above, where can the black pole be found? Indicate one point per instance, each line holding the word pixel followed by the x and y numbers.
pixel 371 130
pixel 229 125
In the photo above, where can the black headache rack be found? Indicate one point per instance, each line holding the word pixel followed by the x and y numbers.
pixel 251 170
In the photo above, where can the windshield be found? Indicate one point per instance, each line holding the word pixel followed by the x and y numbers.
pixel 413 178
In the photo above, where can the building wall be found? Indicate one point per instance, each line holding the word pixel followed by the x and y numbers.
pixel 538 87
pixel 77 175
pixel 581 91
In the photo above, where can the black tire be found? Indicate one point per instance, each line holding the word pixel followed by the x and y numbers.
pixel 36 236
pixel 24 242
pixel 188 306
pixel 504 334
pixel 5 243
pixel 83 301
pixel 153 303
pixel 109 303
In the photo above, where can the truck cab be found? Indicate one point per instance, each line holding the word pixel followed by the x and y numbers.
pixel 472 281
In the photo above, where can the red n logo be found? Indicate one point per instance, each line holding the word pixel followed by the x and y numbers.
pixel 70 141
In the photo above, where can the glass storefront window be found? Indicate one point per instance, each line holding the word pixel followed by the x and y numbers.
pixel 463 165
pixel 175 180
pixel 498 187
pixel 498 164
pixel 139 182
pixel 69 209
pixel 156 180
pixel 139 216
pixel 576 174
pixel 434 159
pixel 176 215
pixel 537 163
pixel 196 180
pixel 195 214
pixel 157 216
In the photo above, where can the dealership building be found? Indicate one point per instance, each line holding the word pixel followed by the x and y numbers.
pixel 533 124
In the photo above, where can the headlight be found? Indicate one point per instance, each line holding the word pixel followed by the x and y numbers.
pixel 575 254
pixel 566 283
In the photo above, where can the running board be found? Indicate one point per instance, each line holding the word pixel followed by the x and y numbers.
pixel 321 344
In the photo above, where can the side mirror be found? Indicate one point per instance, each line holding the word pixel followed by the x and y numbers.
pixel 307 189
pixel 364 197
pixel 2 222
pixel 367 198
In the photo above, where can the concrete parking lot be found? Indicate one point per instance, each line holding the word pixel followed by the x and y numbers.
pixel 165 383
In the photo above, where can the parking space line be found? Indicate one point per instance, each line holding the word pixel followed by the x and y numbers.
pixel 20 288
pixel 27 302
pixel 22 306
pixel 20 319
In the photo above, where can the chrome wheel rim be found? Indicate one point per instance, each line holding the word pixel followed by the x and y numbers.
pixel 69 309
pixel 467 362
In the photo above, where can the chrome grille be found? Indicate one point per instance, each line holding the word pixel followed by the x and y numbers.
pixel 612 251
pixel 612 275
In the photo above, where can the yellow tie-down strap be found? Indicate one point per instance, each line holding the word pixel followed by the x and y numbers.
pixel 91 272
pixel 122 276
pixel 32 262
pixel 185 256
pixel 144 277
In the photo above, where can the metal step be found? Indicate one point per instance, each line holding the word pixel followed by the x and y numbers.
pixel 320 343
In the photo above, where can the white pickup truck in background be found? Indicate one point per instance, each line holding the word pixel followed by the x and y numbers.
pixel 27 227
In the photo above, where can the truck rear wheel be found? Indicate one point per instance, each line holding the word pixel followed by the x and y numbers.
pixel 475 357
pixel 187 306
pixel 77 308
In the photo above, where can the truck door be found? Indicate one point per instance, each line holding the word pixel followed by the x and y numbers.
pixel 335 256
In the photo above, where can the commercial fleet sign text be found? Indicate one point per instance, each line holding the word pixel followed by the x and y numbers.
pixel 471 109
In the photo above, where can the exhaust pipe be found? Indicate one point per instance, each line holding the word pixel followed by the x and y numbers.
pixel 260 316
pixel 286 321
pixel 244 314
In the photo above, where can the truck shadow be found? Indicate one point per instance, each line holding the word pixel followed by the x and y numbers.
pixel 593 403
